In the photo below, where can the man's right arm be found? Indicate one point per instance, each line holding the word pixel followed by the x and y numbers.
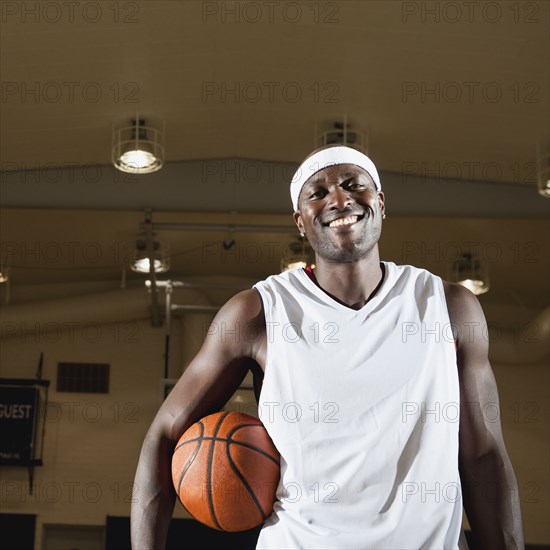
pixel 205 386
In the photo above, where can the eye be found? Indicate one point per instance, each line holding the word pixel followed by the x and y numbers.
pixel 317 194
pixel 355 186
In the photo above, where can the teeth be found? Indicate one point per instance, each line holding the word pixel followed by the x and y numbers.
pixel 343 221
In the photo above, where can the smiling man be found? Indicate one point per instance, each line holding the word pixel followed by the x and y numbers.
pixel 375 402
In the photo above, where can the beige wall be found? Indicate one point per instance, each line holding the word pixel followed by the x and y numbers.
pixel 92 441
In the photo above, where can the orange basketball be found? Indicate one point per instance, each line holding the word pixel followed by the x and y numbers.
pixel 225 470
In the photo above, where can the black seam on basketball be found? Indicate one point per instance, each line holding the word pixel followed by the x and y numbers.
pixel 193 456
pixel 235 428
pixel 236 442
pixel 209 470
pixel 261 451
pixel 198 438
pixel 243 479
pixel 258 450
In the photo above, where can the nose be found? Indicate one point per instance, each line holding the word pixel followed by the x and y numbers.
pixel 339 198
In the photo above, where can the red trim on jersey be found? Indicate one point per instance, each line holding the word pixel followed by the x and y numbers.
pixel 310 274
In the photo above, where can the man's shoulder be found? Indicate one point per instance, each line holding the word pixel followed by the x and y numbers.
pixel 462 304
pixel 460 300
pixel 244 306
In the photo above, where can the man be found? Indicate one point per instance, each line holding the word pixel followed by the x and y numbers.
pixel 365 365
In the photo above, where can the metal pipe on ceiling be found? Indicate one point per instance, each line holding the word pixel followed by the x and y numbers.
pixel 223 228
pixel 195 308
pixel 184 284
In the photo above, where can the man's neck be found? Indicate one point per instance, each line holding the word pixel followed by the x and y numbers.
pixel 351 283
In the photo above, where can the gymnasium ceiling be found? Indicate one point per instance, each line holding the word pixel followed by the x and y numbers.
pixel 463 91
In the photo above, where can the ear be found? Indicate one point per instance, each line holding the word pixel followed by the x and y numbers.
pixel 381 202
pixel 298 221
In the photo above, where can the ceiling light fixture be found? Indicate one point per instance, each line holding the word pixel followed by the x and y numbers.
pixel 141 263
pixel 297 254
pixel 340 133
pixel 469 272
pixel 138 149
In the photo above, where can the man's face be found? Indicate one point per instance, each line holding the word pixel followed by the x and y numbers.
pixel 340 211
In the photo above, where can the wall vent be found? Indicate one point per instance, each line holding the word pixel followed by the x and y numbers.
pixel 83 377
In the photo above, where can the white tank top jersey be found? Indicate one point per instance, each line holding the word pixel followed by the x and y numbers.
pixel 363 406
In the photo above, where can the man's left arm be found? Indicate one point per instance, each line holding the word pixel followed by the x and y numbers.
pixel 489 486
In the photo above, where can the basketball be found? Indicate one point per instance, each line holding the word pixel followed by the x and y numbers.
pixel 225 471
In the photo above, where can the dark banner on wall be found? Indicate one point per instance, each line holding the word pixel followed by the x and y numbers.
pixel 18 424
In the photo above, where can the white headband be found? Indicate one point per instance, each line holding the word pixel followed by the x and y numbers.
pixel 329 157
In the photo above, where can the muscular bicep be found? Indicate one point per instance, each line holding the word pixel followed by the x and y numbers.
pixel 480 432
pixel 217 370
